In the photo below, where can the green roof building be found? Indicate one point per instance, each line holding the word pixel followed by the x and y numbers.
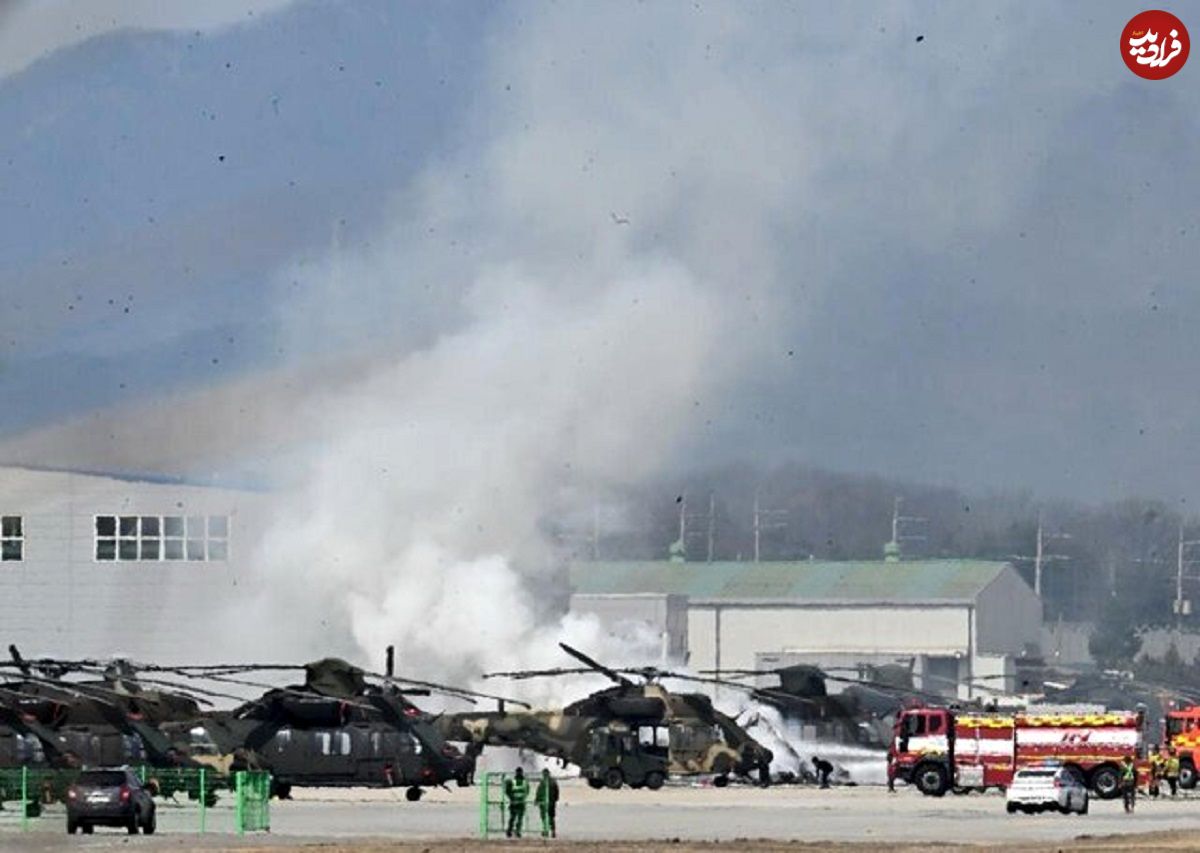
pixel 963 623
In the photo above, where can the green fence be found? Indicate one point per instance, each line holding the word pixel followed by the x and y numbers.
pixel 493 807
pixel 252 802
pixel 188 800
pixel 493 810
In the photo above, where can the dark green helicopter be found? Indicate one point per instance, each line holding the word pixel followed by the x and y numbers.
pixel 342 726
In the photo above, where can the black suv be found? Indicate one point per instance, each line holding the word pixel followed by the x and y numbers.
pixel 109 798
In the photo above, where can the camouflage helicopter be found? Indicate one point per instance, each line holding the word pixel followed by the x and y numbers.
pixel 49 722
pixel 334 729
pixel 634 734
pixel 110 717
pixel 342 727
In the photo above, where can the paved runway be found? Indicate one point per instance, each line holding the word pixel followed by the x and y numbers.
pixel 690 814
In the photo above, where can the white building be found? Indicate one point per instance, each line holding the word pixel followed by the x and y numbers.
pixel 960 622
pixel 96 565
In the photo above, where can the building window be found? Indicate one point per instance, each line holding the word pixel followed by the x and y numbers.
pixel 12 538
pixel 194 538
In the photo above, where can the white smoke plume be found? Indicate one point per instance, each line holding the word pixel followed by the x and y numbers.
pixel 590 266
pixel 420 524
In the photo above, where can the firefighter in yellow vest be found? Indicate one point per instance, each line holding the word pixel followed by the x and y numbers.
pixel 1171 770
pixel 1155 769
pixel 1129 784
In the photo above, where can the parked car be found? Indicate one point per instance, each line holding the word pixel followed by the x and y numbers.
pixel 1047 787
pixel 110 798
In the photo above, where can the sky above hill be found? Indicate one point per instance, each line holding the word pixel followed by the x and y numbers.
pixel 956 245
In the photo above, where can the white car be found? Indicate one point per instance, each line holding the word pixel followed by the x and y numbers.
pixel 1042 788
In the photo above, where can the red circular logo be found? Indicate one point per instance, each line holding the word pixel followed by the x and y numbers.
pixel 1155 44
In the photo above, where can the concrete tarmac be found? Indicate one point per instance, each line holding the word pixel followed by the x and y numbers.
pixel 690 814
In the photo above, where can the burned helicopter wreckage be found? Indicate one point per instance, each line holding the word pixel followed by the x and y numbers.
pixel 632 733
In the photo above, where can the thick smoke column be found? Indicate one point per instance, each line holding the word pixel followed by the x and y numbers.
pixel 420 523
pixel 548 312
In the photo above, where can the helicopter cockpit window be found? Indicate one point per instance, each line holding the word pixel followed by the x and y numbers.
pixel 29 750
pixel 683 738
pixel 656 736
pixel 132 747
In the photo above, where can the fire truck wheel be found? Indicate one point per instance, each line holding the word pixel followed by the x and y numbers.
pixel 1106 782
pixel 1187 774
pixel 932 779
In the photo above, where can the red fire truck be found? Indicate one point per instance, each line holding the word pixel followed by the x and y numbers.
pixel 939 749
pixel 1183 735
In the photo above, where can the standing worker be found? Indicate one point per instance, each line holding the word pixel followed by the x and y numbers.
pixel 823 769
pixel 1129 784
pixel 1156 770
pixel 1171 772
pixel 516 791
pixel 547 800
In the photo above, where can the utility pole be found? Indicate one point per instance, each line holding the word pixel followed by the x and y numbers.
pixel 898 525
pixel 712 523
pixel 765 519
pixel 1041 557
pixel 595 531
pixel 1182 606
pixel 688 525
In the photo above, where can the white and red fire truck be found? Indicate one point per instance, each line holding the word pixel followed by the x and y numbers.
pixel 940 749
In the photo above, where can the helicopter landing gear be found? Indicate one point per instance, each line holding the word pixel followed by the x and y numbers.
pixel 413 794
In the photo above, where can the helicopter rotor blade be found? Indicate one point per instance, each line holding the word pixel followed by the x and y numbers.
pixel 596 665
pixel 461 692
pixel 521 674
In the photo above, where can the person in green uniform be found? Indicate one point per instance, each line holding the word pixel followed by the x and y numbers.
pixel 547 800
pixel 516 792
